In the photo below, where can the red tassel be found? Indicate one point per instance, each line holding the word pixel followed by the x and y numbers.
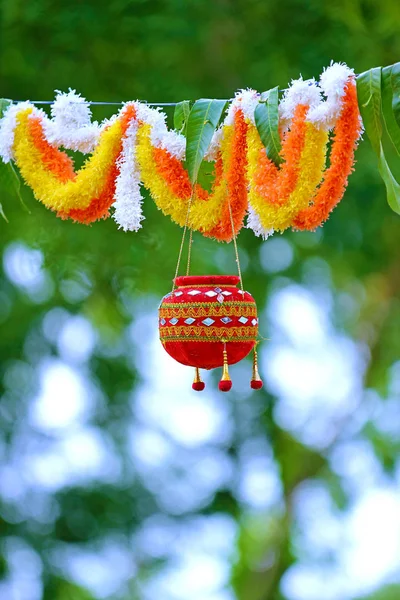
pixel 198 385
pixel 256 385
pixel 224 385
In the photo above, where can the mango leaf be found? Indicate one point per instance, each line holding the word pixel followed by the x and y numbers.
pixel 202 122
pixel 395 81
pixel 181 115
pixel 5 174
pixel 9 178
pixel 4 103
pixel 392 186
pixel 10 181
pixel 370 104
pixel 369 101
pixel 6 183
pixel 2 213
pixel 392 126
pixel 267 121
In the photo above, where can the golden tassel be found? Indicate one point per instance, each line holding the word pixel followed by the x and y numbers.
pixel 225 383
pixel 256 381
pixel 198 385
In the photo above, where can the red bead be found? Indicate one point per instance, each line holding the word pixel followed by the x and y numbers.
pixel 225 385
pixel 256 384
pixel 198 386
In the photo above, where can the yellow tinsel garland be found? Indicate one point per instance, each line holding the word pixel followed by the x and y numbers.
pixel 74 194
pixel 311 169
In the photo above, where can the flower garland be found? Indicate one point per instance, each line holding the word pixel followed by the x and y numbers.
pixel 165 176
pixel 289 196
pixel 278 195
pixel 128 198
pixel 135 148
pixel 234 206
pixel 346 133
pixel 84 196
pixel 71 125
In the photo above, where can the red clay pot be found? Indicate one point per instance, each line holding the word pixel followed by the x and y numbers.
pixel 203 313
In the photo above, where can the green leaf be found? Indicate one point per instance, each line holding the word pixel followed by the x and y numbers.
pixel 10 182
pixel 392 126
pixel 395 81
pixel 9 178
pixel 2 213
pixel 202 122
pixel 4 103
pixel 181 115
pixel 267 121
pixel 370 104
pixel 369 100
pixel 392 186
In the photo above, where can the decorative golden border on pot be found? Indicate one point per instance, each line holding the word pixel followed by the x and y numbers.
pixel 225 303
pixel 207 334
pixel 211 339
pixel 208 285
pixel 215 310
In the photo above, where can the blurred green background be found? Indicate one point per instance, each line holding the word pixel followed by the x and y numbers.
pixel 116 480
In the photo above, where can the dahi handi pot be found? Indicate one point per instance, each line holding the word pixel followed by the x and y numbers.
pixel 208 322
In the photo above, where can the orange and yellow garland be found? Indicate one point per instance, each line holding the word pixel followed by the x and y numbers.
pixel 345 136
pixel 169 185
pixel 277 194
pixel 85 196
pixel 300 193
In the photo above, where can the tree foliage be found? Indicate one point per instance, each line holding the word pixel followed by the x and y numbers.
pixel 57 275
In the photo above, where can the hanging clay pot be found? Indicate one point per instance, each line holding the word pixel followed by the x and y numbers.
pixel 208 322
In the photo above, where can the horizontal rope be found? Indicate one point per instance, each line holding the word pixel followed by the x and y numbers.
pixel 104 103
pixel 100 103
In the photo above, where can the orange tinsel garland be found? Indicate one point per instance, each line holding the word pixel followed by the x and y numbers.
pixel 99 207
pixel 58 162
pixel 276 184
pixel 175 175
pixel 236 199
pixel 61 166
pixel 230 171
pixel 346 134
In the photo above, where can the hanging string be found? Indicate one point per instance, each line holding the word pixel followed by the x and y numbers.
pixel 191 242
pixel 235 246
pixel 183 241
pixel 189 251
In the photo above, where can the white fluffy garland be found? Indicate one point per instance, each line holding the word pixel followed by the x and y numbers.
pixel 128 198
pixel 70 125
pixel 8 124
pixel 299 92
pixel 160 135
pixel 323 113
pixel 254 223
pixel 332 82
